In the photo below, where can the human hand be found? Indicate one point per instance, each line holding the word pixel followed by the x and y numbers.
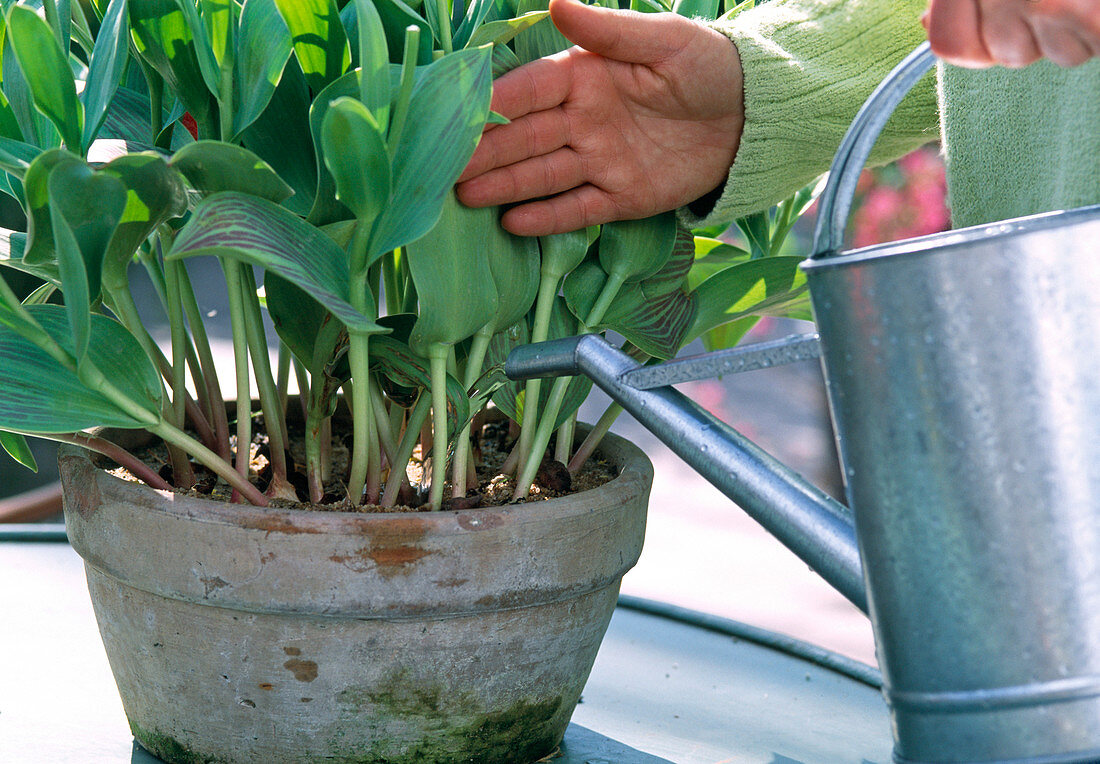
pixel 643 117
pixel 1013 33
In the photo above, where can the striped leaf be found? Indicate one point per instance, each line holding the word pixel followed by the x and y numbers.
pixel 447 112
pixel 259 232
pixel 38 395
pixel 397 362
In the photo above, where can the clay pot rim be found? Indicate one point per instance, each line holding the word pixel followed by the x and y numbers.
pixel 635 477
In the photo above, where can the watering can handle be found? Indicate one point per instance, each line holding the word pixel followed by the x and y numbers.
pixel 836 199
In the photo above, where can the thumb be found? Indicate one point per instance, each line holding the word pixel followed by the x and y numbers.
pixel 630 36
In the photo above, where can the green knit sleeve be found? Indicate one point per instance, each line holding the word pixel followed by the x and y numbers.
pixel 808 66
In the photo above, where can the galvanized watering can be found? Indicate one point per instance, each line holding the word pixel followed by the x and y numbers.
pixel 963 381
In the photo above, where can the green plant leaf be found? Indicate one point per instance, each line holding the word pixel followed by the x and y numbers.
pixel 263 47
pixel 439 261
pixel 220 22
pixel 307 328
pixel 501 32
pixel 17 447
pixel 16 156
pixel 396 16
pixel 656 325
pixel 757 231
pixel 85 207
pixel 672 275
pixel 541 39
pixel 9 125
pixel 317 34
pixel 728 335
pixel 33 126
pixel 155 193
pixel 356 156
pixel 259 232
pixel 637 248
pixel 12 247
pixel 127 119
pixel 655 314
pixel 163 38
pixel 204 53
pixel 504 60
pixel 507 397
pixel 213 166
pixel 47 73
pixel 712 256
pixel 447 112
pixel 514 263
pixel 770 284
pixel 396 361
pixel 374 63
pixel 281 137
pixel 40 241
pixel 582 287
pixel 38 395
pixel 476 12
pixel 326 208
pixel 108 62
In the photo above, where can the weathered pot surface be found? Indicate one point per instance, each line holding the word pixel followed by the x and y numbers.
pixel 240 634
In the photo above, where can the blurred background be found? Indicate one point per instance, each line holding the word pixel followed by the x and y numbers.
pixel 701 551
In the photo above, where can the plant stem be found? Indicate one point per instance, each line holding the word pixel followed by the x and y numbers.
pixel 408 76
pixel 282 380
pixel 610 289
pixel 359 359
pixel 279 487
pixel 588 447
pixel 405 448
pixel 209 459
pixel 540 330
pixel 183 475
pixel 474 363
pixel 565 438
pixel 317 444
pixel 116 453
pixel 219 420
pixel 437 358
pixel 382 422
pixel 240 362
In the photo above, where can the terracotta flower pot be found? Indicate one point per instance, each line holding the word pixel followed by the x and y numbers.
pixel 240 634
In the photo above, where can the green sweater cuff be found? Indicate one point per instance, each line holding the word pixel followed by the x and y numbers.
pixel 808 66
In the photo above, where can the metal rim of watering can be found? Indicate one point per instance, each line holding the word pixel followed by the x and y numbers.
pixel 835 203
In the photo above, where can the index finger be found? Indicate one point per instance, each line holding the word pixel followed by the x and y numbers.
pixel 539 85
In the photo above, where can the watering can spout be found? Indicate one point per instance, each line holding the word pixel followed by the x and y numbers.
pixel 810 523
